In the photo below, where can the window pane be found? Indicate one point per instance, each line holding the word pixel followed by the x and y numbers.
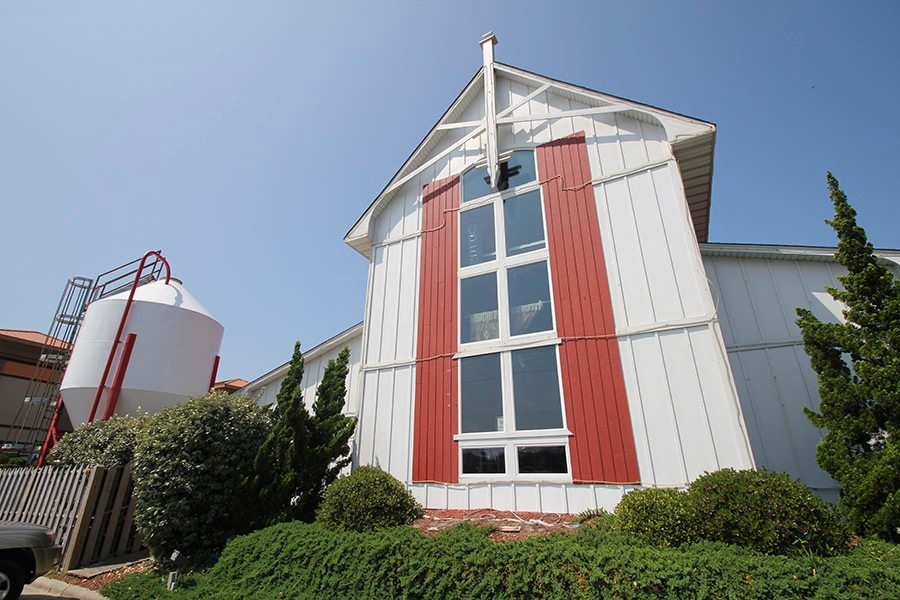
pixel 476 236
pixel 478 307
pixel 520 168
pixel 529 299
pixel 484 460
pixel 536 389
pixel 476 184
pixel 550 459
pixel 517 170
pixel 524 223
pixel 481 396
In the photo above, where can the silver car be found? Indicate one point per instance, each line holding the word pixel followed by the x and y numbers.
pixel 26 552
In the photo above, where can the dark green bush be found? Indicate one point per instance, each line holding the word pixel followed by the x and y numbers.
pixel 768 512
pixel 658 516
pixel 191 469
pixel 368 499
pixel 764 511
pixel 103 443
pixel 299 560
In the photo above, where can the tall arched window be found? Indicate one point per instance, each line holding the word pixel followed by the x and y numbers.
pixel 511 410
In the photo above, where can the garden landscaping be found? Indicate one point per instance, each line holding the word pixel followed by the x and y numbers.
pixel 731 534
pixel 300 560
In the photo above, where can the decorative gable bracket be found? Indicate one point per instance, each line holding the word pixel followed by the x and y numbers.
pixel 692 140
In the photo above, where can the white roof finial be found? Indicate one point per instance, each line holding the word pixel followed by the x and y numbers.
pixel 489 37
pixel 488 41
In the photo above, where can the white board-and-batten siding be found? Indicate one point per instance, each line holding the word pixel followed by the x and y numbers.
pixel 684 406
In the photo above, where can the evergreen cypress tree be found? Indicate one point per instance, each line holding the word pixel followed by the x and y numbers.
pixel 331 432
pixel 858 368
pixel 304 451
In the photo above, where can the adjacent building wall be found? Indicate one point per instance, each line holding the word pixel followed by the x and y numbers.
pixel 265 388
pixel 19 354
pixel 757 293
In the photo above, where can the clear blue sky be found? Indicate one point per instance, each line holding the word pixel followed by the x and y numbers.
pixel 244 138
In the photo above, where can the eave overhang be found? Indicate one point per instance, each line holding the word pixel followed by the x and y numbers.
pixel 886 256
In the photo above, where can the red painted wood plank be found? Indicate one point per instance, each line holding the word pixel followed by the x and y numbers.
pixel 582 213
pixel 563 294
pixel 567 282
pixel 435 422
pixel 602 444
pixel 587 352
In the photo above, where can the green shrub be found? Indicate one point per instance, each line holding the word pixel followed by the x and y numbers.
pixel 658 516
pixel 191 469
pixel 149 585
pixel 102 443
pixel 299 560
pixel 368 499
pixel 768 512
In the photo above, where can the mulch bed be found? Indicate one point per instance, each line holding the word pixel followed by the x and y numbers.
pixel 507 525
pixel 98 581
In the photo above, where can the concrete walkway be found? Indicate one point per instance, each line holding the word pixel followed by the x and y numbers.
pixel 44 588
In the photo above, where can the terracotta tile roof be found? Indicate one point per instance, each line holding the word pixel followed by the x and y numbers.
pixel 236 383
pixel 35 338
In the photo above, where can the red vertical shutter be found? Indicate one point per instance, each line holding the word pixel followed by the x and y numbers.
pixel 434 450
pixel 602 445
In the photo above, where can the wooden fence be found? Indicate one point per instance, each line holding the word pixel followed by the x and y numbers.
pixel 89 509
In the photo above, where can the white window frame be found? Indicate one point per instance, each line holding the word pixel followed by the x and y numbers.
pixel 501 266
pixel 511 459
pixel 509 439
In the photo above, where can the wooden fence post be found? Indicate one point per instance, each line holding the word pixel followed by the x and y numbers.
pixel 82 519
pixel 90 510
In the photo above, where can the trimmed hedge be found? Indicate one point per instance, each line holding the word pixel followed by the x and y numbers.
pixel 368 499
pixel 657 516
pixel 766 511
pixel 761 510
pixel 298 560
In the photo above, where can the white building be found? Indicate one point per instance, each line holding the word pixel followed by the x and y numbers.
pixel 546 326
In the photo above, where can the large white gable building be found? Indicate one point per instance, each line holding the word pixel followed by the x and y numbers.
pixel 545 323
